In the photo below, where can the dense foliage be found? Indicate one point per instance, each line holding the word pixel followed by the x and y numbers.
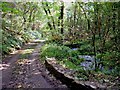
pixel 92 28
pixel 17 25
pixel 69 28
pixel 53 50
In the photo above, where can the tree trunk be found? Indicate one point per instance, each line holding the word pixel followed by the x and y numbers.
pixel 60 19
pixel 49 24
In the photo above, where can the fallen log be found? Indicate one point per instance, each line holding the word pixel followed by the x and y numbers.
pixel 65 79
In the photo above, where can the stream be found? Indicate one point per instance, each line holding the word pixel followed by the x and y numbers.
pixel 89 63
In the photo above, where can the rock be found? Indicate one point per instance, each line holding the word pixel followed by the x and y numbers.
pixel 105 80
pixel 93 86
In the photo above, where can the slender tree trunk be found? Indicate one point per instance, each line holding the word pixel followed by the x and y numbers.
pixel 51 16
pixel 49 24
pixel 118 25
pixel 94 33
pixel 60 19
pixel 88 21
pixel 62 14
pixel 75 14
pixel 114 25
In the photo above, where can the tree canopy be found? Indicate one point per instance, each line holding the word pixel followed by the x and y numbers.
pixel 93 28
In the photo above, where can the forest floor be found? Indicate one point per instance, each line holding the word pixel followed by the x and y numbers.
pixel 24 69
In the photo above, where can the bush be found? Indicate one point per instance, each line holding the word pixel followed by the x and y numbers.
pixel 53 50
pixel 57 38
pixel 12 41
pixel 60 53
pixel 110 62
pixel 74 57
pixel 86 49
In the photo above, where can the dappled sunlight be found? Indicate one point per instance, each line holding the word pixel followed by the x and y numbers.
pixel 77 38
pixel 23 61
pixel 14 52
pixel 26 51
pixel 52 60
pixel 4 66
pixel 37 73
pixel 32 60
pixel 40 40
pixel 31 43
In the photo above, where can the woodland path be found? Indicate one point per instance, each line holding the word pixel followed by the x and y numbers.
pixel 26 70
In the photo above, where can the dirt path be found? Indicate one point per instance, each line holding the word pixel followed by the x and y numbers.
pixel 25 70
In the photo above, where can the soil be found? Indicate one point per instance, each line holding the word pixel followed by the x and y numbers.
pixel 27 72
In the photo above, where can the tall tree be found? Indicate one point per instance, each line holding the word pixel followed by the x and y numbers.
pixel 60 19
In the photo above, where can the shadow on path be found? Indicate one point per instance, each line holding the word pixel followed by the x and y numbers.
pixel 20 70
